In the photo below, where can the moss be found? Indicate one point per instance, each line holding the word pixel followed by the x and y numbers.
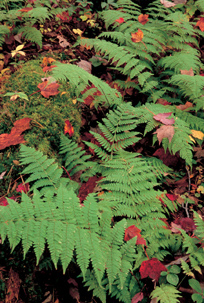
pixel 48 115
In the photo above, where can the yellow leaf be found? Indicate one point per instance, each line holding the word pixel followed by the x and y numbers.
pixel 63 93
pixel 91 22
pixel 83 18
pixel 191 138
pixel 19 47
pixel 74 101
pixel 197 134
pixel 78 31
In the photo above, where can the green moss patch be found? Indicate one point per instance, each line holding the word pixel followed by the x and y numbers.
pixel 48 115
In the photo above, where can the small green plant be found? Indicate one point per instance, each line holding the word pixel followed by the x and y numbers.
pixel 197 297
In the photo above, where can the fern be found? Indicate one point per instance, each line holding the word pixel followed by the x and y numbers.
pixel 32 34
pixel 4 30
pixel 44 172
pixel 80 79
pixel 166 293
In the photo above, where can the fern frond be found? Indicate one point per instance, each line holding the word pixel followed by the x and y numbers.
pixel 166 293
pixel 32 34
pixel 44 172
pixel 80 79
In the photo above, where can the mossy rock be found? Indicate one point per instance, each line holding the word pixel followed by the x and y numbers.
pixel 48 115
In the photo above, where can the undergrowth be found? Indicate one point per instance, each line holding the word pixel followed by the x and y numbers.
pixel 163 64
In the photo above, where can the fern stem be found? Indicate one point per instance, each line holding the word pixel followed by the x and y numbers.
pixel 67 172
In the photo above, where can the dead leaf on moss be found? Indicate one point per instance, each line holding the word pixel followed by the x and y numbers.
pixel 47 61
pixel 48 90
pixel 165 131
pixel 15 137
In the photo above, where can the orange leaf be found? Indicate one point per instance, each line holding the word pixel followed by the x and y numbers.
pixel 185 106
pixel 200 23
pixel 138 36
pixel 143 19
pixel 68 128
pixel 15 137
pixel 47 61
pixel 26 9
pixel 48 90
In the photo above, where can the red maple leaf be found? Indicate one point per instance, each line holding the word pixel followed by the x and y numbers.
pixel 48 90
pixel 23 187
pixel 163 118
pixel 120 20
pixel 15 137
pixel 4 202
pixel 131 232
pixel 151 268
pixel 68 128
pixel 200 23
pixel 143 18
pixel 26 9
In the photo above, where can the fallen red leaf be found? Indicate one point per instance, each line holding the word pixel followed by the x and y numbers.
pixel 163 118
pixel 120 20
pixel 151 268
pixel 23 188
pixel 138 297
pixel 4 202
pixel 200 23
pixel 48 90
pixel 187 224
pixel 143 19
pixel 15 137
pixel 131 232
pixel 64 16
pixel 165 131
pixel 68 128
pixel 137 37
pixel 26 9
pixel 172 197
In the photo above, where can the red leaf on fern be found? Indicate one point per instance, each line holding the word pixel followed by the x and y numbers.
pixel 143 19
pixel 172 197
pixel 138 297
pixel 151 268
pixel 200 23
pixel 26 9
pixel 163 118
pixel 131 232
pixel 120 20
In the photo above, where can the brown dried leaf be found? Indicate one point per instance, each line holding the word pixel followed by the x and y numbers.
pixel 86 65
pixel 63 42
pixel 13 286
pixel 185 106
pixel 165 131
